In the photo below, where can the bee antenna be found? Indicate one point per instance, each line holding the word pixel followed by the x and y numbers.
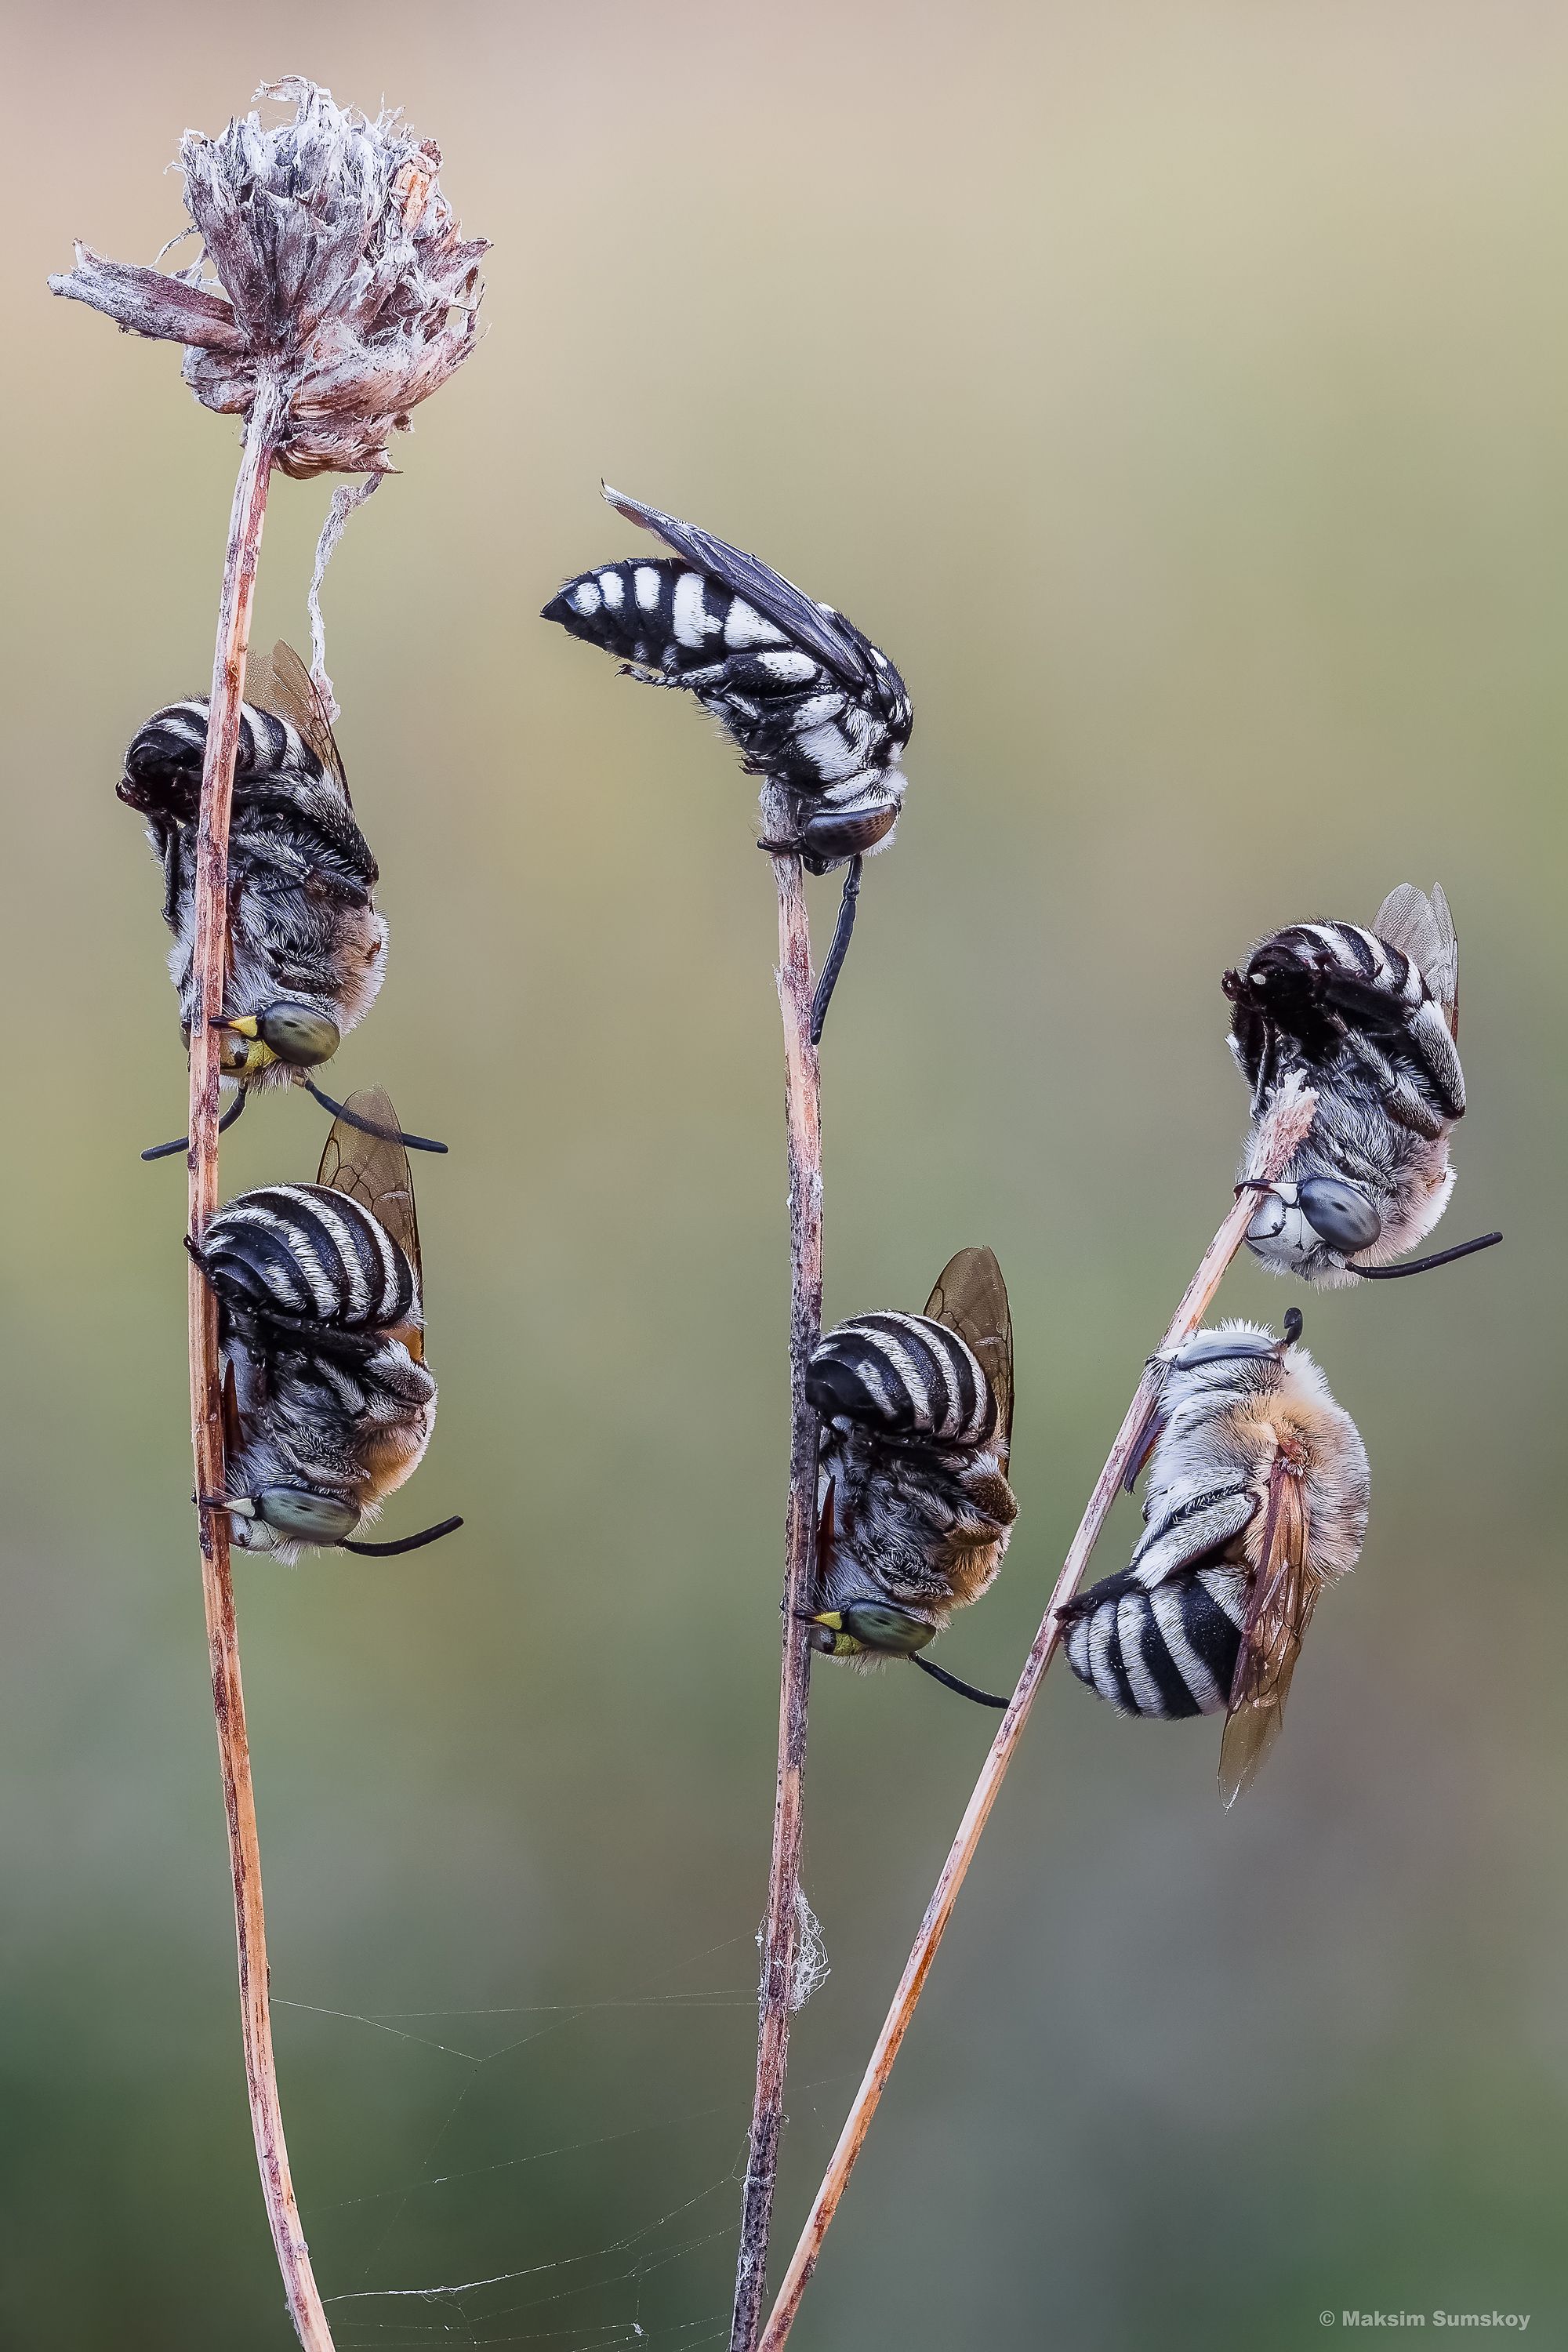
pixel 964 1690
pixel 183 1142
pixel 368 1126
pixel 1424 1265
pixel 1295 1323
pixel 828 979
pixel 403 1543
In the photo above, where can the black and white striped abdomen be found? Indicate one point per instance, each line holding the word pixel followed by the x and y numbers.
pixel 1347 950
pixel 305 1250
pixel 1165 1651
pixel 902 1376
pixel 660 614
pixel 164 764
pixel 788 712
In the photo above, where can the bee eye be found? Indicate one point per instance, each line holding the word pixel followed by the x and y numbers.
pixel 307 1517
pixel 1341 1214
pixel 298 1034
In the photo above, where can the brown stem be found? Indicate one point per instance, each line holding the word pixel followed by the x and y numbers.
pixel 1288 1123
pixel 802 1108
pixel 206 1389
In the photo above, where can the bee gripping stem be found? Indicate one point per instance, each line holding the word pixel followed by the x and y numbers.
pixel 206 1395
pixel 804 1135
pixel 1289 1120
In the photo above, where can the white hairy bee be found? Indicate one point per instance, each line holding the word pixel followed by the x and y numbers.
pixel 1370 1020
pixel 809 702
pixel 1257 1501
pixel 328 1401
pixel 307 948
pixel 915 1509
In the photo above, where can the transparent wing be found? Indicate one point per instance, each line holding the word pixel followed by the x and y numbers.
pixel 280 682
pixel 826 634
pixel 1423 928
pixel 1283 1597
pixel 970 1299
pixel 374 1169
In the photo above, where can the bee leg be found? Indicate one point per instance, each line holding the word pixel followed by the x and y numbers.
pixel 183 1142
pixel 964 1690
pixel 405 1543
pixel 828 979
pixel 368 1127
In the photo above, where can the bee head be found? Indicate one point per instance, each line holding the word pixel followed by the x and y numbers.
pixel 1292 1221
pixel 296 1514
pixel 296 1033
pixel 869 1627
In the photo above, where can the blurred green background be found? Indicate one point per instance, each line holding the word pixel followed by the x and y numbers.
pixel 1177 392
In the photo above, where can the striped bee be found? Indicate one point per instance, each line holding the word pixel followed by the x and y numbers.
pixel 1257 1499
pixel 307 947
pixel 811 705
pixel 914 1507
pixel 1370 1018
pixel 328 1401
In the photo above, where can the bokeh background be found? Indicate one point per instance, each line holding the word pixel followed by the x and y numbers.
pixel 1177 392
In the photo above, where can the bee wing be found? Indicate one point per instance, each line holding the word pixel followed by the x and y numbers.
pixel 824 634
pixel 280 682
pixel 374 1169
pixel 1423 928
pixel 233 1429
pixel 970 1299
pixel 1280 1601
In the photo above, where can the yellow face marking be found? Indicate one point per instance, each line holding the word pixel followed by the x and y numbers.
pixel 845 1646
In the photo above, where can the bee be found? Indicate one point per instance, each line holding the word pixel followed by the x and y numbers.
pixel 811 705
pixel 1257 1500
pixel 914 1507
pixel 327 1400
pixel 1371 1019
pixel 307 948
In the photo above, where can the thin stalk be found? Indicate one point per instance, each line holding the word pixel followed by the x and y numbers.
pixel 211 956
pixel 1284 1130
pixel 802 1110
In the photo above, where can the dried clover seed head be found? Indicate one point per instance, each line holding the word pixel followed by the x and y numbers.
pixel 333 268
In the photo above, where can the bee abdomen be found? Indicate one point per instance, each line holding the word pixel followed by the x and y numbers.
pixel 662 614
pixel 904 1376
pixel 788 714
pixel 305 1250
pixel 1164 1652
pixel 164 764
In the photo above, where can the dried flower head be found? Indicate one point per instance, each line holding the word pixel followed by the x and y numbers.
pixel 333 268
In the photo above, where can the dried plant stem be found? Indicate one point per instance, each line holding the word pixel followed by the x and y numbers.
pixel 802 1108
pixel 1288 1124
pixel 206 1389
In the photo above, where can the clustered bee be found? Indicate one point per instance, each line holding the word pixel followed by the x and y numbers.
pixel 811 705
pixel 1257 1499
pixel 1370 1019
pixel 914 1507
pixel 327 1400
pixel 307 948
